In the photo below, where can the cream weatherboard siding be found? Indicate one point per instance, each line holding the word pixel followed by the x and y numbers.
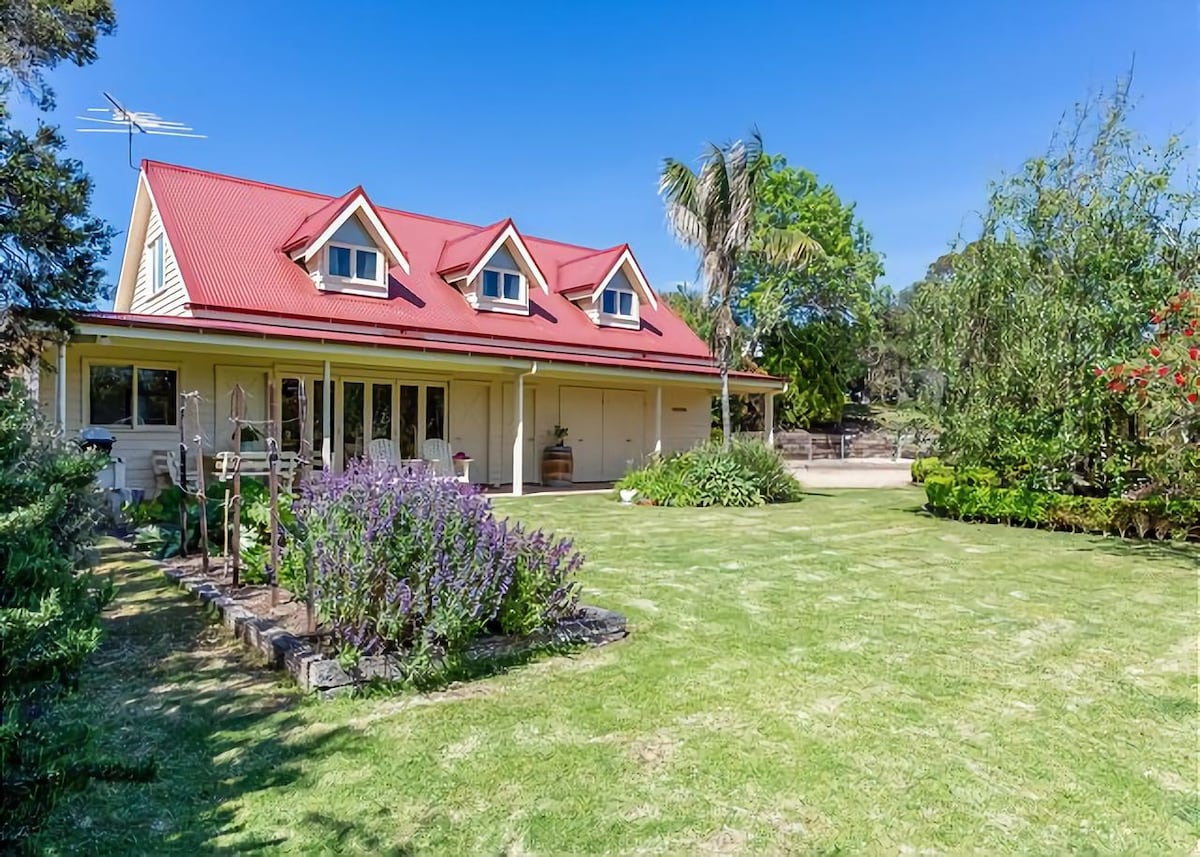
pixel 172 298
pixel 610 423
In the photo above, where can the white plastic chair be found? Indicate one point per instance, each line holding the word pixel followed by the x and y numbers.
pixel 440 458
pixel 383 451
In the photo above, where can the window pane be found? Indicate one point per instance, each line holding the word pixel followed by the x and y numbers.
pixel 381 411
pixel 364 264
pixel 435 413
pixel 339 261
pixel 408 421
pixel 512 287
pixel 111 395
pixel 352 420
pixel 609 301
pixel 491 284
pixel 317 417
pixel 626 303
pixel 156 402
pixel 156 264
pixel 289 415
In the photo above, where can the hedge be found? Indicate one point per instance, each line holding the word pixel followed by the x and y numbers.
pixel 1155 517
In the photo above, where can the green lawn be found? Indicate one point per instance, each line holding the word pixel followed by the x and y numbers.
pixel 844 675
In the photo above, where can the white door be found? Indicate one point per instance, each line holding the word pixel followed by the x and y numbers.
pixel 254 383
pixel 624 430
pixel 469 424
pixel 581 411
pixel 531 462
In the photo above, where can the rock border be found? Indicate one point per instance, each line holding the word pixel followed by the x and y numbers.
pixel 322 674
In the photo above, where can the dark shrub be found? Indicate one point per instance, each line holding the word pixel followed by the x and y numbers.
pixel 975 498
pixel 406 562
pixel 49 613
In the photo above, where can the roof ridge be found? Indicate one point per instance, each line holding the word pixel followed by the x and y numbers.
pixel 328 198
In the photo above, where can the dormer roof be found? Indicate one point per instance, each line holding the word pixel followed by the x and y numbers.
pixel 315 230
pixel 589 275
pixel 464 257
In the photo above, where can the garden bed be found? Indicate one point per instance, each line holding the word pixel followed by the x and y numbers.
pixel 278 632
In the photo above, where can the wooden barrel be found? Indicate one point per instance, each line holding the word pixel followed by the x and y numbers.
pixel 558 467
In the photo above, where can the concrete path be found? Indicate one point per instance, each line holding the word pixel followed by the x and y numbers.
pixel 854 473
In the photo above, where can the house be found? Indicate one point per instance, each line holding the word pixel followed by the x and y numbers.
pixel 395 325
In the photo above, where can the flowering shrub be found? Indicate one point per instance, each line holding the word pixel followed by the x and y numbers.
pixel 407 562
pixel 1162 388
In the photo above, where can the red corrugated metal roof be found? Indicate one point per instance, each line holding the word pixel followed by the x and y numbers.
pixel 389 339
pixel 588 271
pixel 227 234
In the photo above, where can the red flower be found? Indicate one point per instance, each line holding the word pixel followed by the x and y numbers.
pixel 1155 318
pixel 1162 370
pixel 1098 371
pixel 1155 351
pixel 1193 398
pixel 1188 331
pixel 1116 386
pixel 1194 353
pixel 1179 379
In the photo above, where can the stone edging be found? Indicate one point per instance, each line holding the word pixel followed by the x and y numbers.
pixel 322 674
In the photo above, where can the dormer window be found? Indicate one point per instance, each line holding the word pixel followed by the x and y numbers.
pixel 354 264
pixel 503 286
pixel 618 302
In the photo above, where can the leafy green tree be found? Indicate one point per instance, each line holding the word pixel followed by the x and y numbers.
pixel 809 322
pixel 713 211
pixel 39 34
pixel 50 254
pixel 1073 253
pixel 51 247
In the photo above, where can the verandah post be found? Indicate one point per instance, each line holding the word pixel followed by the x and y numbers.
pixel 273 487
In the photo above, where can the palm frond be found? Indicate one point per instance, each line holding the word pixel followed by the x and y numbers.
pixel 679 188
pixel 789 247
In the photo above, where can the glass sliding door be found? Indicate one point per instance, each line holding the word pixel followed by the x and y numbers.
pixel 353 420
pixel 435 413
pixel 362 410
pixel 381 411
pixel 408 416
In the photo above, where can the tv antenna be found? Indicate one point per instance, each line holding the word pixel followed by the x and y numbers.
pixel 128 121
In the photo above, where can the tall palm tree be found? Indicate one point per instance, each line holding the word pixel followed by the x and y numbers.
pixel 713 212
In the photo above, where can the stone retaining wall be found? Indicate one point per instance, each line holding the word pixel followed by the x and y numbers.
pixel 323 674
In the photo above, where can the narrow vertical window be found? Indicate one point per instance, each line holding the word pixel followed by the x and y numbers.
pixel 156 264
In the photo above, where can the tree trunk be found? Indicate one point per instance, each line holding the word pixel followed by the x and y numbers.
pixel 726 423
pixel 724 348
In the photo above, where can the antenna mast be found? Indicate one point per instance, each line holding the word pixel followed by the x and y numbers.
pixel 128 121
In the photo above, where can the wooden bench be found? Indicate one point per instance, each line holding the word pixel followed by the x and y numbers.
pixel 256 465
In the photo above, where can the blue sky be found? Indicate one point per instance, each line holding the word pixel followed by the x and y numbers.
pixel 559 114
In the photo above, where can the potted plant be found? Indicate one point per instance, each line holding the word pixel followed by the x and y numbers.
pixel 558 464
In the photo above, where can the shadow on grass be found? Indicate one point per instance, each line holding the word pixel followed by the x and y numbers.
pixel 1154 550
pixel 169 684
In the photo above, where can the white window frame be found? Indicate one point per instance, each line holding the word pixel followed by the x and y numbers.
pixel 502 304
pixel 355 249
pixel 157 264
pixel 634 307
pixel 86 391
pixel 522 291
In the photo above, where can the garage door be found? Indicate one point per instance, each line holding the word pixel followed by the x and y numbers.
pixel 607 430
pixel 624 416
pixel 582 412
